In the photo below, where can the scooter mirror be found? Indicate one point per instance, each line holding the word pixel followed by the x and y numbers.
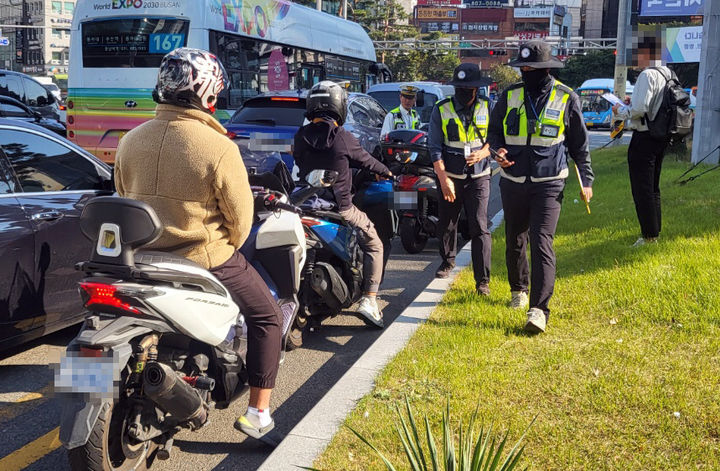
pixel 321 178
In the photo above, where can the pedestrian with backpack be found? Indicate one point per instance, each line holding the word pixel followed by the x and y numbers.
pixel 658 113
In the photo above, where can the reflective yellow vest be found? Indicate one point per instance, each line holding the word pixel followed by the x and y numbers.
pixel 399 122
pixel 451 121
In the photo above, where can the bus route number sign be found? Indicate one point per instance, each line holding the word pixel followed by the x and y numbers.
pixel 162 43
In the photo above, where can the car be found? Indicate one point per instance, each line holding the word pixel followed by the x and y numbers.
pixel 45 181
pixel 388 94
pixel 12 109
pixel 54 89
pixel 30 92
pixel 265 126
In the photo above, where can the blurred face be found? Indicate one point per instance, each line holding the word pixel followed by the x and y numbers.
pixel 407 101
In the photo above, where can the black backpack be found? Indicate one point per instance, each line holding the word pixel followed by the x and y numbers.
pixel 674 119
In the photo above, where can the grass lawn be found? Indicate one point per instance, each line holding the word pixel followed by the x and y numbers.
pixel 627 376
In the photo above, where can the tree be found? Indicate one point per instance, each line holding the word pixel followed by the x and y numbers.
pixel 504 76
pixel 594 64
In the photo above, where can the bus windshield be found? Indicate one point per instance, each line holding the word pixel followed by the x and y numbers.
pixel 593 102
pixel 131 42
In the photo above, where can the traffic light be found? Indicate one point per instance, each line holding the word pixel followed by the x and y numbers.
pixel 497 52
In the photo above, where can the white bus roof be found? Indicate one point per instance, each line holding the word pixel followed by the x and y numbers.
pixel 602 83
pixel 275 21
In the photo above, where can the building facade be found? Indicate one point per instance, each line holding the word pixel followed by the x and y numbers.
pixel 480 23
pixel 43 48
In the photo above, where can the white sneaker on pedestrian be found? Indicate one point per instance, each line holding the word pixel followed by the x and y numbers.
pixel 370 311
pixel 642 241
pixel 536 321
pixel 519 300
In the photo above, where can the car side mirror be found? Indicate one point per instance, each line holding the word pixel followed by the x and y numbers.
pixel 37 115
pixel 321 178
pixel 420 99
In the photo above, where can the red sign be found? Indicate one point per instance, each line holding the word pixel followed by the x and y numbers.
pixel 525 35
pixel 438 2
pixel 278 78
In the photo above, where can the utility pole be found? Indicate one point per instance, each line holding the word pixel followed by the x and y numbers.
pixel 318 5
pixel 707 118
pixel 623 39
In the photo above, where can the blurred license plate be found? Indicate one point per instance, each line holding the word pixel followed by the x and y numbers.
pixel 77 374
pixel 405 199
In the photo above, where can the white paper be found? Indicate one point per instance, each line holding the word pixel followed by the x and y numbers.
pixel 613 99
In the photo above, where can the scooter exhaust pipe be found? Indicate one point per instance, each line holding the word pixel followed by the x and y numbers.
pixel 173 395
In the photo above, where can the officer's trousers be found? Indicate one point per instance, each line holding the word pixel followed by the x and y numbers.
pixel 473 194
pixel 531 212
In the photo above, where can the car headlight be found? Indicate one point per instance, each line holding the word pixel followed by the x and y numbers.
pixel 607 118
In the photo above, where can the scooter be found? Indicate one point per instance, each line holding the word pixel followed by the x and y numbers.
pixel 332 278
pixel 158 350
pixel 416 191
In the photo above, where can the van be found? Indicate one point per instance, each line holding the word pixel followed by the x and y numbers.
pixel 30 92
pixel 388 94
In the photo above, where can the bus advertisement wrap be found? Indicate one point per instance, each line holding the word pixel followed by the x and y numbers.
pixel 682 44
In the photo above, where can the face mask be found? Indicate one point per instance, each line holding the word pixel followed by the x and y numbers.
pixel 464 95
pixel 535 79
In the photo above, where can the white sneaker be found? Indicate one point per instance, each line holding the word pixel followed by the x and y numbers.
pixel 519 300
pixel 370 311
pixel 642 241
pixel 536 321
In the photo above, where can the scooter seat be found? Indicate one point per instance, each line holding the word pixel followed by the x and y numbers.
pixel 146 267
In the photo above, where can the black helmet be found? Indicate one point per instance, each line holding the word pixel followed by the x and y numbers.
pixel 191 78
pixel 327 99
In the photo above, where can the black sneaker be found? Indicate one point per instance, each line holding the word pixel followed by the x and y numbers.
pixel 444 270
pixel 482 290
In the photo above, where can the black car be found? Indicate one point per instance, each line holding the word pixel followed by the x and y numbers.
pixel 13 109
pixel 30 92
pixel 45 181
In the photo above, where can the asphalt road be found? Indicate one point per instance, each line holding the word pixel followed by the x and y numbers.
pixel 29 415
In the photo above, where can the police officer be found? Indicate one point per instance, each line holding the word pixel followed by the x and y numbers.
pixel 534 126
pixel 456 138
pixel 404 116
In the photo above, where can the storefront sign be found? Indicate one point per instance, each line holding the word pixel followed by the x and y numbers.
pixel 423 3
pixel 671 7
pixel 535 12
pixel 480 27
pixel 682 44
pixel 440 13
pixel 445 27
pixel 527 35
pixel 486 3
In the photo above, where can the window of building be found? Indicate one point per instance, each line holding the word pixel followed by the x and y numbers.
pixel 69 8
pixel 56 56
pixel 57 33
pixel 57 7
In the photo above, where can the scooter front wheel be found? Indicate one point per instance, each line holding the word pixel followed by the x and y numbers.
pixel 411 235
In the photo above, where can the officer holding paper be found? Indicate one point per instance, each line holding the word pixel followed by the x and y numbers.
pixel 456 138
pixel 534 126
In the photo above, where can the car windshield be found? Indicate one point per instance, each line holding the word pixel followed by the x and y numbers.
pixel 391 99
pixel 275 111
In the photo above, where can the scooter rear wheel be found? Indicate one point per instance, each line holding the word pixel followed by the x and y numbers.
pixel 413 240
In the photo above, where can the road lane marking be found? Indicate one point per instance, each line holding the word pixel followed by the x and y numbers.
pixel 33 451
pixel 24 403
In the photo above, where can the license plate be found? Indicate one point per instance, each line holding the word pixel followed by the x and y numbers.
pixel 76 374
pixel 405 199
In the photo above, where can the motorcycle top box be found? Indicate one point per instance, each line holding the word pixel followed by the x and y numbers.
pixel 406 146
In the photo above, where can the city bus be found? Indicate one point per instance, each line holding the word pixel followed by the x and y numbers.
pixel 597 111
pixel 265 45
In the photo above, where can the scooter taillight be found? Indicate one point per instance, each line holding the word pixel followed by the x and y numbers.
pixel 407 182
pixel 101 294
pixel 91 352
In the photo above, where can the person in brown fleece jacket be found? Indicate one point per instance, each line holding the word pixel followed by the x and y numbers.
pixel 182 164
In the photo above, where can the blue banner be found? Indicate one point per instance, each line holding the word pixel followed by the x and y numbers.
pixel 671 7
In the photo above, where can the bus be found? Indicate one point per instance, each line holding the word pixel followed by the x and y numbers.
pixel 597 111
pixel 265 45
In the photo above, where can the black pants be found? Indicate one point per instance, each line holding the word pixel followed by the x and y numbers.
pixel 473 194
pixel 263 317
pixel 645 157
pixel 531 211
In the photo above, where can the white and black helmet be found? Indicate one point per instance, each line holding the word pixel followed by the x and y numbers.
pixel 191 78
pixel 327 99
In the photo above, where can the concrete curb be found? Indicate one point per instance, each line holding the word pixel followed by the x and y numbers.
pixel 313 433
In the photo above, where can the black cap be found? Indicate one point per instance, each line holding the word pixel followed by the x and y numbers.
pixel 467 75
pixel 536 54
